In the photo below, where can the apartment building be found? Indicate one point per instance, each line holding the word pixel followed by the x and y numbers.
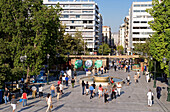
pixel 121 37
pixel 107 35
pixel 115 36
pixel 80 15
pixel 126 34
pixel 139 29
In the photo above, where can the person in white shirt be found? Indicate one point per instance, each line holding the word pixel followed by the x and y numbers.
pixel 119 86
pixel 150 95
pixel 138 74
pixel 61 88
pixel 128 80
pixel 147 78
pixel 40 91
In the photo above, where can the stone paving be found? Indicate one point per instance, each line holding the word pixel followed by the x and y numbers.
pixel 133 99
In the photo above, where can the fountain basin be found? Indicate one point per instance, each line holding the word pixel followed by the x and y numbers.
pixel 104 78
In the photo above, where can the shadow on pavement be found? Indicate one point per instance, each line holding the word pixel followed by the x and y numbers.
pixel 25 108
pixel 60 106
pixel 5 107
pixel 41 108
pixel 66 94
pixel 33 102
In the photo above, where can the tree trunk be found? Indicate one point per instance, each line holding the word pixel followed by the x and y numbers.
pixel 28 77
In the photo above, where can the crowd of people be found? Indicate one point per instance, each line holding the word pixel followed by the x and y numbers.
pixel 112 90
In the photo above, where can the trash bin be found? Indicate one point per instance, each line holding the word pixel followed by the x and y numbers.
pixel 1 95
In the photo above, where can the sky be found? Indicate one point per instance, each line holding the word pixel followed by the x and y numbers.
pixel 114 11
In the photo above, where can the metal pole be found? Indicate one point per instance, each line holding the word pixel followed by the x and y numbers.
pixel 168 88
pixel 48 71
pixel 154 86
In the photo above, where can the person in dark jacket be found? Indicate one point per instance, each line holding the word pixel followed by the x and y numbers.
pixel 158 90
pixel 83 86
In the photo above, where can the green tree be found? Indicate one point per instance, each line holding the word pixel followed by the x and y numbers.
pixel 143 47
pixel 104 49
pixel 29 27
pixel 160 41
pixel 120 49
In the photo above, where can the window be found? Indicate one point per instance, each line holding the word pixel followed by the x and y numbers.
pixel 84 22
pixel 135 32
pixel 144 5
pixel 143 21
pixel 72 21
pixel 135 21
pixel 65 5
pixel 72 27
pixel 87 12
pixel 90 22
pixel 66 16
pixel 65 11
pixel 77 16
pixel 136 5
pixel 136 11
pixel 150 5
pixel 87 5
pixel 143 11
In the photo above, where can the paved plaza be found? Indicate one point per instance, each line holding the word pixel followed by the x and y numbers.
pixel 133 99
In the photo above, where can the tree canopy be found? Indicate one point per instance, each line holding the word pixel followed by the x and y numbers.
pixel 104 49
pixel 160 40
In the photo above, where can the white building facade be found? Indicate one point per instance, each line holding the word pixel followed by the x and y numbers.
pixel 80 15
pixel 107 35
pixel 139 28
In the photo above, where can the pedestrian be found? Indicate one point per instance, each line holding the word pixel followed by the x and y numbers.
pixel 61 88
pixel 115 67
pixel 83 87
pixel 66 79
pixel 109 89
pixel 96 71
pixel 105 68
pixel 100 90
pixel 113 95
pixel 87 88
pixel 150 98
pixel 91 91
pixel 119 86
pixel 138 74
pixel 136 78
pixel 6 95
pixel 147 78
pixel 24 98
pixel 34 91
pixel 158 91
pixel 106 96
pixel 99 71
pixel 49 102
pixel 52 88
pixel 128 80
pixel 94 86
pixel 102 70
pixel 13 103
pixel 40 91
pixel 72 82
pixel 58 92
pixel 75 75
pixel 59 82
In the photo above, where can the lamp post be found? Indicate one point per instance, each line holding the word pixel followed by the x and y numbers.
pixel 168 88
pixel 57 55
pixel 22 59
pixel 68 59
pixel 48 56
pixel 154 86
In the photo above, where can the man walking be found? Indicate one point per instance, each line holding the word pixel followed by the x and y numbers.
pixel 119 86
pixel 52 88
pixel 158 90
pixel 150 95
pixel 91 91
pixel 6 95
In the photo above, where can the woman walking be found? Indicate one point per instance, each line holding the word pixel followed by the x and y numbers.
pixel 87 88
pixel 83 86
pixel 40 91
pixel 150 95
pixel 128 80
pixel 49 102
pixel 13 103
pixel 100 90
pixel 24 98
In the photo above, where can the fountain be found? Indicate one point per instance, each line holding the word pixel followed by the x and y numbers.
pixel 101 79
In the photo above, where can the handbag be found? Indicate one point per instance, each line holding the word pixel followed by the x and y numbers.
pixel 51 106
pixel 20 100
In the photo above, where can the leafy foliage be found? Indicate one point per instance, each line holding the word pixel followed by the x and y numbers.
pixel 104 49
pixel 120 49
pixel 160 41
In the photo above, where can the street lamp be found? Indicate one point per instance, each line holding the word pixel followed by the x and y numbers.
pixel 22 59
pixel 68 59
pixel 57 55
pixel 168 88
pixel 154 86
pixel 48 56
